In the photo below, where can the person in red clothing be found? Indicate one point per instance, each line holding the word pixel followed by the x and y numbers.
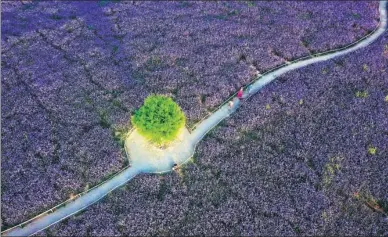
pixel 240 93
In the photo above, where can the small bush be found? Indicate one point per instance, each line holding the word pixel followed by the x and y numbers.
pixel 159 119
pixel 119 135
pixel 104 122
pixel 372 150
pixel 361 94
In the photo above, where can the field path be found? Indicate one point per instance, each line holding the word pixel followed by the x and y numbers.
pixel 59 213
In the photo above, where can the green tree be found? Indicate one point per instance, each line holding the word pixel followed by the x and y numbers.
pixel 159 119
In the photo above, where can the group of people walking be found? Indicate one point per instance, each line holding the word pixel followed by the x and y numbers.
pixel 240 95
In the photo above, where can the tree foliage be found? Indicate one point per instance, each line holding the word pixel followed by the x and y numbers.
pixel 159 119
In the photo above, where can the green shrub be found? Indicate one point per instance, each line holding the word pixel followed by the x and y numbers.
pixel 120 134
pixel 372 150
pixel 159 119
pixel 361 94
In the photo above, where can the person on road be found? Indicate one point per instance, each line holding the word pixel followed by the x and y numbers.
pixel 175 167
pixel 240 93
pixel 249 88
pixel 230 105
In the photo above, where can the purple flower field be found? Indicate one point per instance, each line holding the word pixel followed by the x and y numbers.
pixel 264 171
pixel 287 163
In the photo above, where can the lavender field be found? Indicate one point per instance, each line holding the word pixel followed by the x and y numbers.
pixel 305 156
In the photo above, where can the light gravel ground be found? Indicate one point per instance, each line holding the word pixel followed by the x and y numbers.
pixel 149 158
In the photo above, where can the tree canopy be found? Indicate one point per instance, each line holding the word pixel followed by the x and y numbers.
pixel 159 119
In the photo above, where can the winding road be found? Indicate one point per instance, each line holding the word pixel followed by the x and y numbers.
pixel 55 215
